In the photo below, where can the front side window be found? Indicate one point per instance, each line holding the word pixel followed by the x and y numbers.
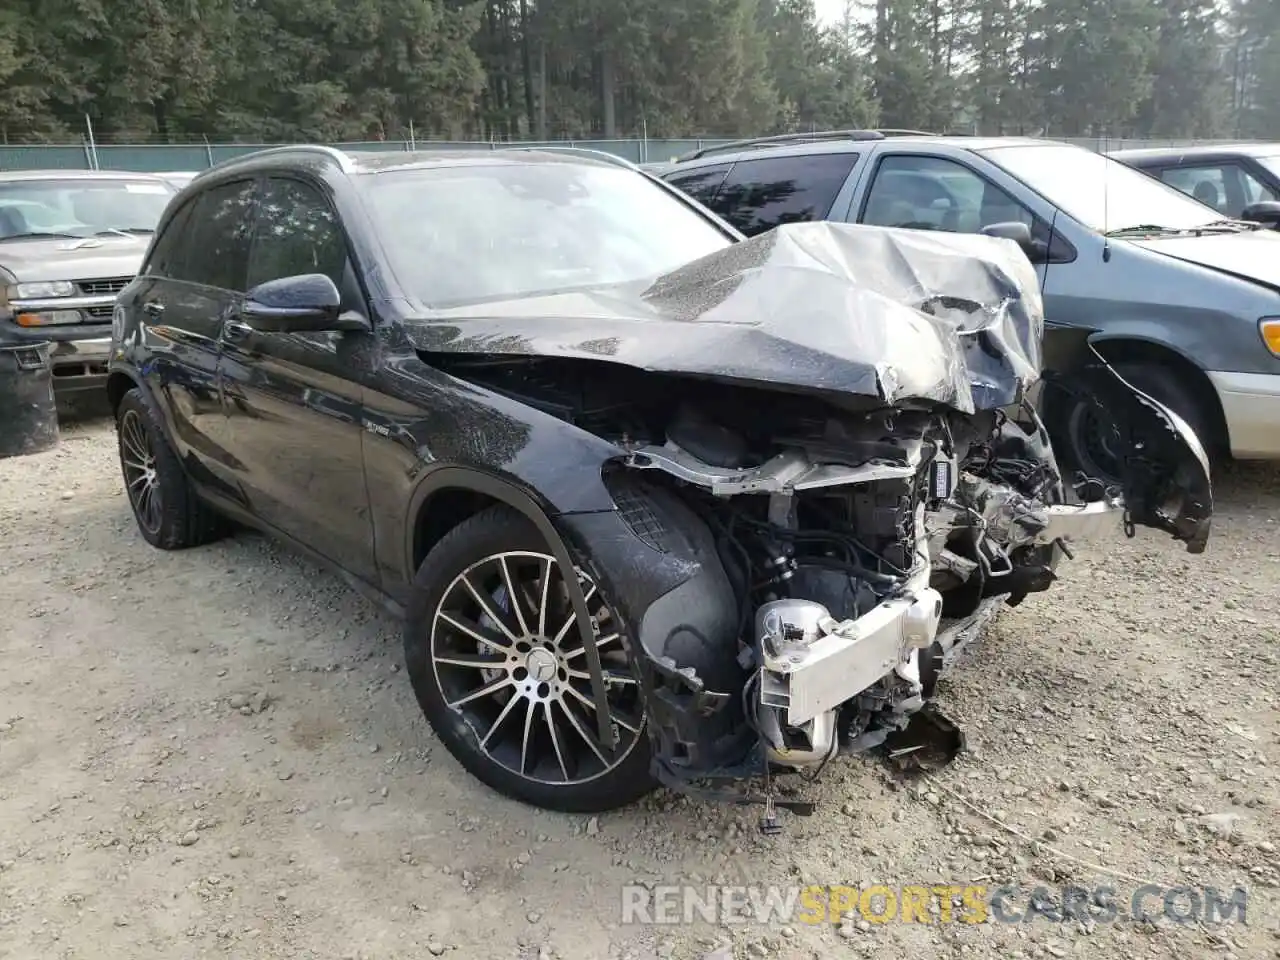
pixel 494 230
pixel 759 195
pixel 80 207
pixel 932 193
pixel 1206 184
pixel 1227 187
pixel 220 228
pixel 1101 193
pixel 297 232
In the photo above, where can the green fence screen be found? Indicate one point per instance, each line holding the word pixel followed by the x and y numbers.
pixel 174 157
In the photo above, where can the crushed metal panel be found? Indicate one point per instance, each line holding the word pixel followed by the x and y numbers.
pixel 829 308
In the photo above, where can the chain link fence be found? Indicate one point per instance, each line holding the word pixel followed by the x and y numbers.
pixel 175 157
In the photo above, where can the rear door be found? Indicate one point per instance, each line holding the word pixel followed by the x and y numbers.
pixel 193 280
pixel 293 402
pixel 756 195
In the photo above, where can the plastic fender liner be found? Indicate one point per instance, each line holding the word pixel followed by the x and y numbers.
pixel 658 562
pixel 1167 484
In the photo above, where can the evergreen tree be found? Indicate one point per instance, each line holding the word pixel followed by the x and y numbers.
pixel 267 70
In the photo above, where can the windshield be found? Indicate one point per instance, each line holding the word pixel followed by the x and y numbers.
pixel 1101 193
pixel 1271 163
pixel 80 208
pixel 489 231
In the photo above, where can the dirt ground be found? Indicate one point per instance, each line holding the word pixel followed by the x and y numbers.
pixel 216 753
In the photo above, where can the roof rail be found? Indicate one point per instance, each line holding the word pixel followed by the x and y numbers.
pixel 604 155
pixel 820 136
pixel 333 153
pixel 891 132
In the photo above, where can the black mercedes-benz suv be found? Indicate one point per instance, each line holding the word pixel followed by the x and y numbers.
pixel 655 502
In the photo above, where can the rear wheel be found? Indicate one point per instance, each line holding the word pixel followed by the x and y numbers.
pixel 168 512
pixel 1092 442
pixel 499 669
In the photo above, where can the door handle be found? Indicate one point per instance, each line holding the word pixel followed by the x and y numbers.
pixel 236 330
pixel 153 308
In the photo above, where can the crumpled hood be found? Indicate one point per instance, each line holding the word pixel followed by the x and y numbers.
pixel 821 307
pixel 1254 255
pixel 66 259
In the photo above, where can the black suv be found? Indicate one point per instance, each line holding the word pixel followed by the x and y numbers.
pixel 651 504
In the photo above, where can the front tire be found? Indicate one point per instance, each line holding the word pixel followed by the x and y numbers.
pixel 1092 442
pixel 497 666
pixel 168 512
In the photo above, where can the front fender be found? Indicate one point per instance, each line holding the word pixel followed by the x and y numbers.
pixel 1143 331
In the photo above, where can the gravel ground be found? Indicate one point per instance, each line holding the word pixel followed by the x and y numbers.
pixel 216 753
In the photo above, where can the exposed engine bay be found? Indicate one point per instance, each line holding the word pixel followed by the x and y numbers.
pixel 799 563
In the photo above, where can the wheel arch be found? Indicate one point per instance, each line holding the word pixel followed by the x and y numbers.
pixel 476 490
pixel 122 379
pixel 120 382
pixel 447 496
pixel 1121 349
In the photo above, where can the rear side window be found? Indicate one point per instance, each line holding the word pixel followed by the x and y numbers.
pixel 758 195
pixel 701 184
pixel 218 231
pixel 171 246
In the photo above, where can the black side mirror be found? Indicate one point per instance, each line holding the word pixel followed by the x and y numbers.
pixel 1019 233
pixel 1264 211
pixel 307 302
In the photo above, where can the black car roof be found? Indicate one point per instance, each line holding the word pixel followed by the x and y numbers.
pixel 802 148
pixel 1203 151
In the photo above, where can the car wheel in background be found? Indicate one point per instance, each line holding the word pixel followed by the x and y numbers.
pixel 1092 442
pixel 498 667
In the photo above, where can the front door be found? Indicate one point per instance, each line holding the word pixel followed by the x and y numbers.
pixel 293 401
pixel 926 192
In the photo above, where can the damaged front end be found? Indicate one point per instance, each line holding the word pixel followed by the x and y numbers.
pixel 859 561
pixel 829 472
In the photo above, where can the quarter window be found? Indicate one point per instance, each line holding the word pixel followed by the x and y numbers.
pixel 701 184
pixel 758 195
pixel 1255 191
pixel 297 232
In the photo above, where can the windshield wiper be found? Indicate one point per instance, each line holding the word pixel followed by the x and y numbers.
pixel 1154 229
pixel 33 236
pixel 1142 228
pixel 1236 224
pixel 122 231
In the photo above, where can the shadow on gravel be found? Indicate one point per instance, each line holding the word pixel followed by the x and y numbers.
pixel 1233 479
pixel 85 410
